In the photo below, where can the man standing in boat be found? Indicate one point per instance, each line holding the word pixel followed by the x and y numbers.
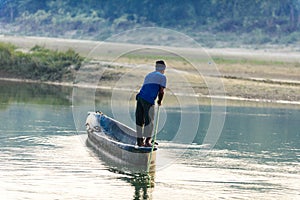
pixel 153 87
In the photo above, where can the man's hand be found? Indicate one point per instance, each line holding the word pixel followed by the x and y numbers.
pixel 159 102
pixel 160 95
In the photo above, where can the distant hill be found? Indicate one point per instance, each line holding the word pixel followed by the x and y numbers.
pixel 211 22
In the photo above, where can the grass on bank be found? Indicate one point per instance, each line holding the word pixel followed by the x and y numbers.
pixel 39 63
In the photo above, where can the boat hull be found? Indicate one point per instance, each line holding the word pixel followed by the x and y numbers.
pixel 122 155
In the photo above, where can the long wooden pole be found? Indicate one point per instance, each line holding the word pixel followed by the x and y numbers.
pixel 153 142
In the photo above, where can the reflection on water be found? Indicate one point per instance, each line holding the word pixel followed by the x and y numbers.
pixel 143 183
pixel 42 157
pixel 12 92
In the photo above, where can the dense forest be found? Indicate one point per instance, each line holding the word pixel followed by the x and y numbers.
pixel 208 21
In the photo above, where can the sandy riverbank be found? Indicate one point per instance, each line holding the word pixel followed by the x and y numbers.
pixel 267 76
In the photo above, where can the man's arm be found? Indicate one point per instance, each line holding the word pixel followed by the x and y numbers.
pixel 160 95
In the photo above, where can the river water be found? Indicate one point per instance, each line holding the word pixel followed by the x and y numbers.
pixel 42 155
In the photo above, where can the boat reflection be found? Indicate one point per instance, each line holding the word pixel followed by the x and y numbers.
pixel 142 181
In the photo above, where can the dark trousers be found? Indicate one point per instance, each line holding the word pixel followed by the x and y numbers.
pixel 144 116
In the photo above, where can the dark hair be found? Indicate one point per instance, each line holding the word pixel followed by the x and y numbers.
pixel 160 65
pixel 160 62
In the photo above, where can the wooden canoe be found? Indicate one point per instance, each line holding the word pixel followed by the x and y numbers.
pixel 117 142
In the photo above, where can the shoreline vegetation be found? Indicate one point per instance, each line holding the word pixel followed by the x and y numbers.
pixel 38 63
pixel 251 76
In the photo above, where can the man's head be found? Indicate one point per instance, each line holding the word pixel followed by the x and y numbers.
pixel 160 66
